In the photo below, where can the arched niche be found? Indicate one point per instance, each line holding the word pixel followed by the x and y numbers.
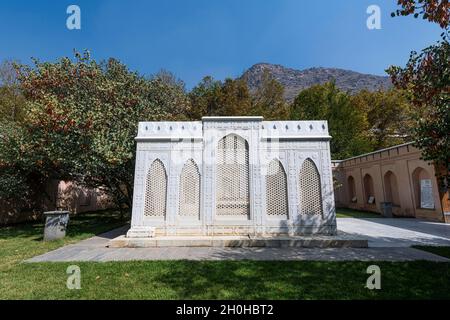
pixel 276 189
pixel 233 176
pixel 156 190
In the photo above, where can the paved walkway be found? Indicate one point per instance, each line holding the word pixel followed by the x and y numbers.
pixel 383 232
pixel 389 240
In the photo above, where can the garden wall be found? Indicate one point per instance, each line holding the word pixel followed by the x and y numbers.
pixel 64 195
pixel 395 175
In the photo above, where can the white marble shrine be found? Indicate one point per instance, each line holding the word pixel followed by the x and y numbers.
pixel 233 176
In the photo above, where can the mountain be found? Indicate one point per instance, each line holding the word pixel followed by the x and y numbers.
pixel 296 80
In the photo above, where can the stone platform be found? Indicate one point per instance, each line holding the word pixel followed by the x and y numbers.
pixel 339 241
pixel 389 240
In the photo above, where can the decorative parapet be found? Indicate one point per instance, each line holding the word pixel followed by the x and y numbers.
pixel 295 130
pixel 169 130
pixel 283 130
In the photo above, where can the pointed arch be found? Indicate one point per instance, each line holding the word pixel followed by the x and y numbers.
pixel 276 189
pixel 310 189
pixel 369 191
pixel 351 189
pixel 156 190
pixel 232 187
pixel 189 204
pixel 391 188
pixel 423 189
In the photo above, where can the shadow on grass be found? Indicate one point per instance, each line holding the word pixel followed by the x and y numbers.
pixel 21 242
pixel 79 225
pixel 301 280
pixel 230 280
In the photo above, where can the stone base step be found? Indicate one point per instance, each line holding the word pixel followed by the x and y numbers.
pixel 339 241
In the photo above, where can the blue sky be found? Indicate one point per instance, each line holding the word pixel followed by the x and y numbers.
pixel 194 38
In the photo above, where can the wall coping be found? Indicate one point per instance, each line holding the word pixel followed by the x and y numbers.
pixel 373 153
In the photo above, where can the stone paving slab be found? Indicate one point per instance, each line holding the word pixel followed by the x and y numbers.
pixel 212 253
pixel 389 240
pixel 398 232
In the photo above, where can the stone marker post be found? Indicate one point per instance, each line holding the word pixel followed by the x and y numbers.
pixel 386 209
pixel 55 225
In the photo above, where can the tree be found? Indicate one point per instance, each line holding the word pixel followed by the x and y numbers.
pixel 437 11
pixel 11 113
pixel 205 98
pixel 347 124
pixel 426 77
pixel 235 99
pixel 81 121
pixel 170 79
pixel 11 99
pixel 167 94
pixel 268 99
pixel 388 114
pixel 13 184
pixel 216 98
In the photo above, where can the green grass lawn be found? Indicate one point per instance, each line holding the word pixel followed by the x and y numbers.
pixel 20 242
pixel 200 279
pixel 440 251
pixel 227 280
pixel 350 213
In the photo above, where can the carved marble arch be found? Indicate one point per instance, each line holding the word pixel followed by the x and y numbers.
pixel 233 180
pixel 276 189
pixel 189 198
pixel 310 189
pixel 156 190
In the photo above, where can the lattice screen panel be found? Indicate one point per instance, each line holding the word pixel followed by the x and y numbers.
pixel 232 176
pixel 190 190
pixel 276 190
pixel 156 190
pixel 310 189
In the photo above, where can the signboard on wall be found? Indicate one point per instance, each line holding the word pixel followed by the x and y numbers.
pixel 426 194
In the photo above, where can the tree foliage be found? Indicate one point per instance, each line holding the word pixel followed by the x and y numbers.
pixel 232 97
pixel 11 99
pixel 205 98
pixel 215 98
pixel 80 123
pixel 13 184
pixel 235 99
pixel 426 77
pixel 268 99
pixel 347 124
pixel 388 114
pixel 437 11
